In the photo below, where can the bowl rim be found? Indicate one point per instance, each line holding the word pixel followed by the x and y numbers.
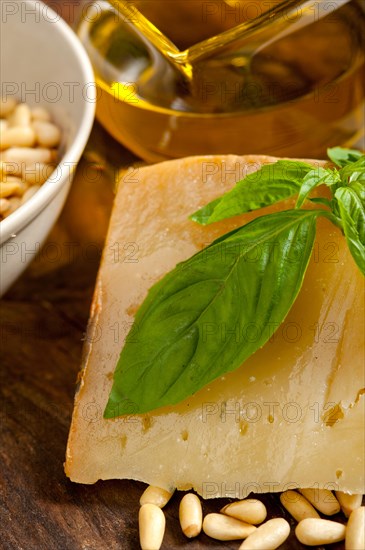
pixel 12 225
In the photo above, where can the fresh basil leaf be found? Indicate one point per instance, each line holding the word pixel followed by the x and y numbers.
pixel 352 214
pixel 357 176
pixel 342 156
pixel 359 189
pixel 321 200
pixel 272 183
pixel 354 171
pixel 203 215
pixel 315 177
pixel 213 311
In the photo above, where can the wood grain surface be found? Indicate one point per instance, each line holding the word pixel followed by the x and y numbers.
pixel 42 324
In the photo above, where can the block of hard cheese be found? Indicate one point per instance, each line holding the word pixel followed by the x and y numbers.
pixel 291 416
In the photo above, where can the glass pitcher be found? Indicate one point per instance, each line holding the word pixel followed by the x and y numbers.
pixel 183 77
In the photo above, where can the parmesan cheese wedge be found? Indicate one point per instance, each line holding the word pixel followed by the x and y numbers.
pixel 291 416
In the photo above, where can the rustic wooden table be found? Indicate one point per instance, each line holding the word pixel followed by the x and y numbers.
pixel 43 322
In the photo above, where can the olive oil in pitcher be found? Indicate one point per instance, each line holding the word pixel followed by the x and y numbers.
pixel 166 90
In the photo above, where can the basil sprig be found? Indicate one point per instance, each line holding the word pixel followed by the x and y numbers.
pixel 214 310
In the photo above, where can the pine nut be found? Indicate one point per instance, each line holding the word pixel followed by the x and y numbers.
pixel 17 136
pixel 152 524
pixel 250 510
pixel 269 536
pixel 191 515
pixel 15 202
pixel 323 500
pixel 20 130
pixel 30 192
pixel 297 505
pixel 21 116
pixel 222 527
pixel 3 125
pixel 155 495
pixel 12 186
pixel 11 168
pixel 4 205
pixel 355 531
pixel 7 106
pixel 47 134
pixel 38 113
pixel 313 531
pixel 36 174
pixel 29 155
pixel 9 178
pixel 348 502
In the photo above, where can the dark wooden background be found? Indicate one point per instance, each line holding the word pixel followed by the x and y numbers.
pixel 42 324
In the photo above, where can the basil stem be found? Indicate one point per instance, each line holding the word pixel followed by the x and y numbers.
pixel 312 179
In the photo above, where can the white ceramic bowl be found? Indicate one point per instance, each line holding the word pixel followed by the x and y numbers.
pixel 44 64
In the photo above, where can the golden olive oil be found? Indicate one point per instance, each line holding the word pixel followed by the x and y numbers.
pixel 295 97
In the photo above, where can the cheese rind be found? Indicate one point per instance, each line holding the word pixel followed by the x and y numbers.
pixel 291 416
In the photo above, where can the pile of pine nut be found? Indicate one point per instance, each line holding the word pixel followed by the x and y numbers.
pixel 28 142
pixel 245 520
